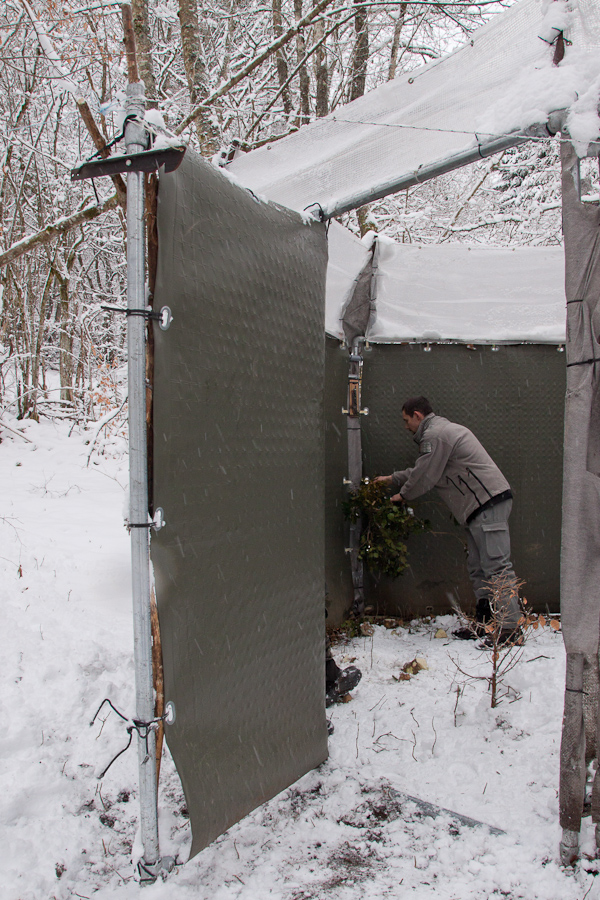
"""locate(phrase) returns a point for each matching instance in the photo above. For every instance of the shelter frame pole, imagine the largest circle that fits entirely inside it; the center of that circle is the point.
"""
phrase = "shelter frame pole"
(136, 140)
(353, 413)
(482, 150)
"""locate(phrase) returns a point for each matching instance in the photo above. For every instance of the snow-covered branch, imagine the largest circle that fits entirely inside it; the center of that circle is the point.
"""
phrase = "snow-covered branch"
(55, 229)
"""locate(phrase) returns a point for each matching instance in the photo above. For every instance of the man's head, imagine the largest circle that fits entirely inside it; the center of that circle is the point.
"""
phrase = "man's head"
(414, 411)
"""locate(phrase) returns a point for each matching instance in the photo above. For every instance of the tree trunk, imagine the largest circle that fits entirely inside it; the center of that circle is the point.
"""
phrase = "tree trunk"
(196, 74)
(304, 117)
(19, 326)
(143, 44)
(37, 354)
(396, 41)
(360, 56)
(321, 73)
(364, 222)
(65, 345)
(280, 58)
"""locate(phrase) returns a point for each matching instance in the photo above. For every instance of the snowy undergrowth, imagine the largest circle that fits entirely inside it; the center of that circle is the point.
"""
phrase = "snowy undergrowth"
(344, 831)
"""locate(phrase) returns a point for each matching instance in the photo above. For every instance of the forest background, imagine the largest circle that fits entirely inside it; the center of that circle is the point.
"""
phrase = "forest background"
(227, 70)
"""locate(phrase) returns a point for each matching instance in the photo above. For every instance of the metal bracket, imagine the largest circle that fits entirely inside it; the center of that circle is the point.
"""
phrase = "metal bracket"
(145, 161)
(170, 714)
(149, 872)
(158, 521)
(164, 317)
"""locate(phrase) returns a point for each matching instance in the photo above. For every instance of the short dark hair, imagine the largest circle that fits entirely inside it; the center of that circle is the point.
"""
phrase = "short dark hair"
(417, 404)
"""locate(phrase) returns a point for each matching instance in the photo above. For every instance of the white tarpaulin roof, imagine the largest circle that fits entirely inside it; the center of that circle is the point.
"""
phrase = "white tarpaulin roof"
(501, 81)
(451, 292)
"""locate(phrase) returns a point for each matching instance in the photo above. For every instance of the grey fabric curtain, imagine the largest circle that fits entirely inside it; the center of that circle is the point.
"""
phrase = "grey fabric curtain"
(239, 472)
(580, 557)
(360, 307)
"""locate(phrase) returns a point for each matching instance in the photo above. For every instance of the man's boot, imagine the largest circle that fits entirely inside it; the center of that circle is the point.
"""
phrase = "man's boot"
(345, 682)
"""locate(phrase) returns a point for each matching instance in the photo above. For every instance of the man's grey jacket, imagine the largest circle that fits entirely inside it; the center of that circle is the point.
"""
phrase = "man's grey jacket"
(452, 460)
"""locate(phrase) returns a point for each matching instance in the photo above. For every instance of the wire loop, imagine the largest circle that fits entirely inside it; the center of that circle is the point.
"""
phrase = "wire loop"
(143, 729)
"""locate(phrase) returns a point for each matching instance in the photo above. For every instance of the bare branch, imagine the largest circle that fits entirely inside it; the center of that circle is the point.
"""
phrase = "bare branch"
(55, 229)
(254, 63)
(100, 144)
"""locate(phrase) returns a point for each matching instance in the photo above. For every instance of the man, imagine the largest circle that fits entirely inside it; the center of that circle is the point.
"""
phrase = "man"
(452, 460)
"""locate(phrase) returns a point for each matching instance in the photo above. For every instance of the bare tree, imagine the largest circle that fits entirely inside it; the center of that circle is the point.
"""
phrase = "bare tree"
(234, 69)
(304, 117)
(360, 56)
(280, 58)
(143, 40)
(321, 72)
(396, 41)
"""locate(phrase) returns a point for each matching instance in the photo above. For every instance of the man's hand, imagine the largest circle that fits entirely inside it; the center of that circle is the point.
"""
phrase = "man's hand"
(397, 498)
(383, 479)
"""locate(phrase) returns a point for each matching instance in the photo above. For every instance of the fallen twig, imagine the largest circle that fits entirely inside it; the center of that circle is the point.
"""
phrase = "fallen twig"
(14, 431)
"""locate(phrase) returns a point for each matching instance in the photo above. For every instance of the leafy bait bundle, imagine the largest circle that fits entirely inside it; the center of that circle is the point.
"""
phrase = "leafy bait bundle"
(386, 526)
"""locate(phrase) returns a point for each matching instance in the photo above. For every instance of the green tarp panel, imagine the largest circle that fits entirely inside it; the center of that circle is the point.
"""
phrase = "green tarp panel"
(239, 473)
(512, 399)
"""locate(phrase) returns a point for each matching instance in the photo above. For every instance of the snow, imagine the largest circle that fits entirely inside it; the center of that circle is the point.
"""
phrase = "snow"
(343, 831)
(156, 118)
(502, 80)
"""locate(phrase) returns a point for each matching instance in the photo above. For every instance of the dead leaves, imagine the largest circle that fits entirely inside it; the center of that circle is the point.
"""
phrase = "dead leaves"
(413, 667)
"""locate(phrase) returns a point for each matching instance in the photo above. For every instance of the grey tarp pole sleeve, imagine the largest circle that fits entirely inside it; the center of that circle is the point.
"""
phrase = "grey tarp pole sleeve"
(239, 472)
(580, 556)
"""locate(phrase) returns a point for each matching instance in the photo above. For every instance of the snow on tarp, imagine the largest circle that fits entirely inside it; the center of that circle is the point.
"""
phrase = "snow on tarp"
(450, 292)
(502, 80)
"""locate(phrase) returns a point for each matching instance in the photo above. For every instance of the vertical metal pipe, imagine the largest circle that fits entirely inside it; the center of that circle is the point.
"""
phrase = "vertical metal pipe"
(355, 469)
(135, 139)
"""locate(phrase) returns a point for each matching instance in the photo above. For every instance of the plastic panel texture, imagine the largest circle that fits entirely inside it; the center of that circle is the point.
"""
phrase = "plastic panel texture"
(238, 471)
(513, 401)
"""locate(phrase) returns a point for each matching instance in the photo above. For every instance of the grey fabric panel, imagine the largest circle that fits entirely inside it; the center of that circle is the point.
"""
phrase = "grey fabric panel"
(580, 563)
(238, 470)
(513, 401)
(580, 557)
(572, 748)
(356, 315)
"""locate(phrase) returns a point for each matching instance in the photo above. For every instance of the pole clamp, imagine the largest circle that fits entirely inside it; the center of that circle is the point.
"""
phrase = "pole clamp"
(157, 522)
(149, 872)
(164, 317)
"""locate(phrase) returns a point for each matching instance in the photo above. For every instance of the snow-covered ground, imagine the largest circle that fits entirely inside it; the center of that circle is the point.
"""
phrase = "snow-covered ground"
(344, 831)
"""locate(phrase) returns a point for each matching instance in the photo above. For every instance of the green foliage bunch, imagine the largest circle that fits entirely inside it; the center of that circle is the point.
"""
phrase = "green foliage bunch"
(386, 526)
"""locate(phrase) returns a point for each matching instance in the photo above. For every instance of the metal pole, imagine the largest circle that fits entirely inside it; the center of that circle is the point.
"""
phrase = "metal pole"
(425, 173)
(354, 413)
(136, 141)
